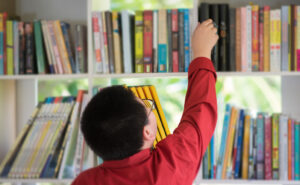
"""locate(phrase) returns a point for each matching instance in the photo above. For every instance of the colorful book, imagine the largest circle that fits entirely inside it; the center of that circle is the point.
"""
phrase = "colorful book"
(251, 149)
(261, 39)
(117, 43)
(266, 38)
(249, 37)
(175, 40)
(186, 40)
(232, 32)
(289, 149)
(97, 42)
(103, 28)
(4, 43)
(30, 66)
(65, 27)
(239, 144)
(293, 150)
(181, 40)
(246, 147)
(260, 139)
(148, 36)
(298, 40)
(244, 64)
(268, 148)
(163, 41)
(275, 40)
(139, 30)
(285, 30)
(16, 46)
(275, 146)
(255, 37)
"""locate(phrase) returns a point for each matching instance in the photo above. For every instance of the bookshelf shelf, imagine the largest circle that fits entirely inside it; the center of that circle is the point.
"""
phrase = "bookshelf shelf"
(285, 182)
(54, 181)
(43, 77)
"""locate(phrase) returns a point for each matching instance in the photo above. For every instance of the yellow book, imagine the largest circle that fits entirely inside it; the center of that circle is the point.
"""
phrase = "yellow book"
(229, 141)
(117, 43)
(159, 108)
(160, 130)
(246, 147)
(62, 47)
(9, 47)
(139, 32)
(267, 39)
(275, 145)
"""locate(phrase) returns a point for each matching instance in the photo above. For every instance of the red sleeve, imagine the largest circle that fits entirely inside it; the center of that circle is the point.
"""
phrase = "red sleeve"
(185, 148)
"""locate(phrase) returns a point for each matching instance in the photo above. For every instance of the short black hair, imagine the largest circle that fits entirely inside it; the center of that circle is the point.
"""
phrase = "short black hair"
(113, 122)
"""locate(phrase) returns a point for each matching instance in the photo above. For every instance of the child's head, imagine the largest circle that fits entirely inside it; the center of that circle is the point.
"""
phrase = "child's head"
(116, 124)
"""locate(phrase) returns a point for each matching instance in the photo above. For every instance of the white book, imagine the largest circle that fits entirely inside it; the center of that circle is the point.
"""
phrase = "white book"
(104, 58)
(126, 17)
(283, 147)
(249, 37)
(97, 41)
(275, 40)
(155, 40)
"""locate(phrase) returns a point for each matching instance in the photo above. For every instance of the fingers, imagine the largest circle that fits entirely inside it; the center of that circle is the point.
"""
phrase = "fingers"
(206, 22)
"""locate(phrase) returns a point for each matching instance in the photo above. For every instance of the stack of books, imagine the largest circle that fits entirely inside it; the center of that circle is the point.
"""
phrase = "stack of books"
(51, 144)
(265, 147)
(254, 38)
(142, 41)
(41, 47)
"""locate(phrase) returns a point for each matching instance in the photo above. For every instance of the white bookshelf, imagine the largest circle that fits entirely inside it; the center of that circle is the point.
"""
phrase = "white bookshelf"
(18, 93)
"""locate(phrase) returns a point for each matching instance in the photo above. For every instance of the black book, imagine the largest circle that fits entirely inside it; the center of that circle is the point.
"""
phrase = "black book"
(214, 15)
(232, 66)
(21, 48)
(224, 38)
(203, 12)
(110, 41)
(181, 40)
(169, 30)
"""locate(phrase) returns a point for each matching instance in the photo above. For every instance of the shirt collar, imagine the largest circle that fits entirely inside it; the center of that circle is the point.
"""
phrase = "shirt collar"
(129, 161)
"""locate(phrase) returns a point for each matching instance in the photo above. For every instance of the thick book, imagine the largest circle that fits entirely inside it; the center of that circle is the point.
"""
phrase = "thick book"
(148, 41)
(117, 33)
(260, 146)
(10, 47)
(162, 41)
(283, 147)
(30, 66)
(255, 37)
(246, 147)
(275, 146)
(175, 41)
(21, 48)
(268, 147)
(232, 29)
(127, 18)
(39, 51)
(181, 40)
(139, 30)
(186, 40)
(238, 40)
(97, 42)
(169, 34)
(275, 40)
(266, 38)
(224, 38)
(285, 31)
(80, 48)
(261, 39)
(65, 28)
(239, 138)
(110, 41)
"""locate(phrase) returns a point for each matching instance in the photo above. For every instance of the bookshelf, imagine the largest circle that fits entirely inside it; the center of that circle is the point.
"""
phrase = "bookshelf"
(18, 93)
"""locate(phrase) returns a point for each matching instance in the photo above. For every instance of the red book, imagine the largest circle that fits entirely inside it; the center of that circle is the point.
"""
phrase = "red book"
(261, 39)
(255, 33)
(148, 43)
(4, 44)
(175, 40)
(268, 148)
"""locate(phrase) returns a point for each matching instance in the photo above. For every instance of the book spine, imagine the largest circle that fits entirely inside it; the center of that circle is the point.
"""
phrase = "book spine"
(224, 37)
(255, 150)
(268, 148)
(21, 48)
(266, 38)
(10, 47)
(127, 41)
(260, 146)
(297, 148)
(97, 49)
(186, 40)
(117, 43)
(293, 150)
(181, 40)
(246, 147)
(240, 135)
(110, 41)
(238, 40)
(29, 49)
(65, 30)
(139, 60)
(232, 22)
(155, 41)
(249, 37)
(212, 143)
(16, 47)
(298, 39)
(230, 173)
(175, 39)
(104, 56)
(261, 39)
(295, 39)
(205, 165)
(289, 38)
(1, 45)
(148, 36)
(244, 65)
(105, 42)
(223, 138)
(289, 149)
(162, 41)
(284, 38)
(255, 38)
(275, 39)
(169, 35)
(283, 147)
(4, 43)
(275, 146)
(80, 48)
(213, 12)
(40, 57)
(251, 147)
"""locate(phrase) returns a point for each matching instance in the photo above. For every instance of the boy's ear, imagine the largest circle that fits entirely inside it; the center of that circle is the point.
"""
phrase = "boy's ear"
(148, 133)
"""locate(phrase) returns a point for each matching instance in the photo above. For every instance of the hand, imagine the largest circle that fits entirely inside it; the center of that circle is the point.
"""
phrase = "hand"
(204, 39)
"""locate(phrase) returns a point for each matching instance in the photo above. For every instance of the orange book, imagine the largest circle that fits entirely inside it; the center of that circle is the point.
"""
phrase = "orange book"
(246, 147)
(266, 38)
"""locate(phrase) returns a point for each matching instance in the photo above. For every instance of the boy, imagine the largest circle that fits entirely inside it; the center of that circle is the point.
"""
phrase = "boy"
(121, 130)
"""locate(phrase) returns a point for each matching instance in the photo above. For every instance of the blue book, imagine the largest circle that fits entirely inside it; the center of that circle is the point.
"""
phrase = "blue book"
(285, 29)
(239, 144)
(223, 143)
(162, 41)
(65, 27)
(186, 40)
(260, 139)
(212, 157)
(297, 147)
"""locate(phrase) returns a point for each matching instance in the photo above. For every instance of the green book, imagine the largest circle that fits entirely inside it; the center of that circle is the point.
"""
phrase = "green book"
(10, 47)
(39, 48)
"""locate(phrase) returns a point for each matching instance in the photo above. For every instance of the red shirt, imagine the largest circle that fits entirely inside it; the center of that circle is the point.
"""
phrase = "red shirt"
(177, 158)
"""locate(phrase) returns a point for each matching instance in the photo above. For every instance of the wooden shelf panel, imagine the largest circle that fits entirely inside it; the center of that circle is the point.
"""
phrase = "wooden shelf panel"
(43, 77)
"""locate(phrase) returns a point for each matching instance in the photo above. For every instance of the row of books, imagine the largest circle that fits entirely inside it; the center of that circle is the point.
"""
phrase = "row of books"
(266, 147)
(254, 38)
(51, 144)
(41, 47)
(142, 41)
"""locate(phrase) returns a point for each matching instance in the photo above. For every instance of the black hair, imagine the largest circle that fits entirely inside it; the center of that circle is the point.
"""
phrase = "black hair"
(113, 122)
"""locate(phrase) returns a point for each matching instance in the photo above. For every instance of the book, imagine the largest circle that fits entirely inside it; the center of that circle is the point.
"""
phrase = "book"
(30, 66)
(65, 28)
(186, 40)
(40, 56)
(110, 42)
(297, 143)
(275, 40)
(289, 149)
(255, 37)
(175, 41)
(4, 43)
(268, 147)
(139, 60)
(99, 67)
(148, 37)
(21, 47)
(1, 44)
(294, 37)
(251, 150)
(10, 47)
(117, 42)
(232, 32)
(285, 30)
(16, 47)
(80, 48)
(181, 40)
(260, 146)
(238, 40)
(169, 35)
(243, 20)
(246, 147)
(266, 38)
(249, 37)
(162, 41)
(293, 149)
(128, 46)
(275, 146)
(155, 41)
(104, 51)
(298, 40)
(261, 39)
(224, 37)
(283, 149)
(239, 138)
